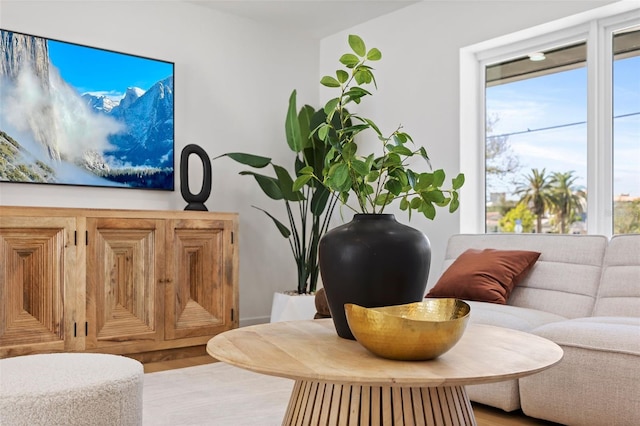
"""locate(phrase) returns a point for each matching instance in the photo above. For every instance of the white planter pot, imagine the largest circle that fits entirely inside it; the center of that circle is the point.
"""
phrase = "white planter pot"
(290, 307)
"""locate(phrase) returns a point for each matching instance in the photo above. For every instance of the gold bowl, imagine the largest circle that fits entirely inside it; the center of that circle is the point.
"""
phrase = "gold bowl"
(412, 332)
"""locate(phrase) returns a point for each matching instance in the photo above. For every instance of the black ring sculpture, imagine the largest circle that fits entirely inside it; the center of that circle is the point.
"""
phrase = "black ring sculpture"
(196, 201)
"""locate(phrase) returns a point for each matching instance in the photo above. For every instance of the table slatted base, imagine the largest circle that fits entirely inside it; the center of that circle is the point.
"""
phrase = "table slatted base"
(317, 403)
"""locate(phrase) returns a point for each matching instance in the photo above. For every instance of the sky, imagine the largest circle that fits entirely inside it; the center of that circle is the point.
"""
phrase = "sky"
(99, 71)
(557, 102)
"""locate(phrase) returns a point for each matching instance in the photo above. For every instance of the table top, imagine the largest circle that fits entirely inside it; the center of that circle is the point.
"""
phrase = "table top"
(311, 350)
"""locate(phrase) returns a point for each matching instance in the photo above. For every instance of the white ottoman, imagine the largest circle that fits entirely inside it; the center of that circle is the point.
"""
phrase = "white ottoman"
(70, 389)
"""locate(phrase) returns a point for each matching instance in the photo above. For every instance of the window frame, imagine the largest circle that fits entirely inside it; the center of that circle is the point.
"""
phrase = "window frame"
(596, 27)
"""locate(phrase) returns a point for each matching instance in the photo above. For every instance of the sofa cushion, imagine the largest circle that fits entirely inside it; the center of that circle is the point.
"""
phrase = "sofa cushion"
(619, 293)
(515, 317)
(504, 395)
(484, 275)
(596, 383)
(609, 334)
(563, 281)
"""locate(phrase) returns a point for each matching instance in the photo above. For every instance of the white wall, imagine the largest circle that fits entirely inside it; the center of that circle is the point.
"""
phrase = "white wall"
(232, 83)
(418, 77)
(233, 78)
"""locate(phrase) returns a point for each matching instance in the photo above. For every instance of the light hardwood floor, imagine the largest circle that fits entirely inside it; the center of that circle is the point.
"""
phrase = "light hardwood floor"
(485, 416)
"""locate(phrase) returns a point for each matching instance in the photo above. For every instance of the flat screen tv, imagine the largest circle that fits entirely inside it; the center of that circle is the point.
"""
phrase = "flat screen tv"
(78, 115)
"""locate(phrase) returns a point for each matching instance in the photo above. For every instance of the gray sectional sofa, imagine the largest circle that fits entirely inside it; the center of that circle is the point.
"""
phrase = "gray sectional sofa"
(584, 294)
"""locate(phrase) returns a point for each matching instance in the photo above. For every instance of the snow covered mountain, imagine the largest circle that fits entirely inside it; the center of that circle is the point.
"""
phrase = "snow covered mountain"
(148, 118)
(100, 103)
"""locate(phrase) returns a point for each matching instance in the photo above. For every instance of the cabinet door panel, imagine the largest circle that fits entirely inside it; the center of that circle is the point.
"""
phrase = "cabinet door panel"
(197, 302)
(123, 262)
(32, 282)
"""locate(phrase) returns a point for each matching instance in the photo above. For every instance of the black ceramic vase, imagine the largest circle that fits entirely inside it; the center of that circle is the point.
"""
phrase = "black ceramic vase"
(372, 261)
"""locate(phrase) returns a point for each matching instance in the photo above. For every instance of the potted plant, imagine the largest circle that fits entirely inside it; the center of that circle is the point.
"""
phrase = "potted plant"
(308, 208)
(372, 260)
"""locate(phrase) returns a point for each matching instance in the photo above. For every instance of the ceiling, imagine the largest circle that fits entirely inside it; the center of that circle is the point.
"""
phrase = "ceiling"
(314, 18)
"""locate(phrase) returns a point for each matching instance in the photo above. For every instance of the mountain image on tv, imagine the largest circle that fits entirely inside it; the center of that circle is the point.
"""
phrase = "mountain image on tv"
(71, 114)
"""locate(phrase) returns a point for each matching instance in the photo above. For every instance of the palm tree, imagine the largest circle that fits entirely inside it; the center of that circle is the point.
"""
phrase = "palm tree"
(568, 200)
(536, 193)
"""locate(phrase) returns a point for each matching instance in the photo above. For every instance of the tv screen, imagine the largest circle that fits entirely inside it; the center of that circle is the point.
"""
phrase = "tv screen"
(78, 115)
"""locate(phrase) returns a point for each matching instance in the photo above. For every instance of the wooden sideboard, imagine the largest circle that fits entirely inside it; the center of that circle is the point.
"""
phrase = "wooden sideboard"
(126, 282)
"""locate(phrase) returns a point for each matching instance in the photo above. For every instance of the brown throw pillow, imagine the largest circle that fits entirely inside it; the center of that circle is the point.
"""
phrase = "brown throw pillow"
(484, 275)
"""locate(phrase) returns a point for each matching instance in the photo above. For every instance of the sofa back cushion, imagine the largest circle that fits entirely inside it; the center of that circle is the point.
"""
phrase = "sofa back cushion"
(619, 293)
(563, 281)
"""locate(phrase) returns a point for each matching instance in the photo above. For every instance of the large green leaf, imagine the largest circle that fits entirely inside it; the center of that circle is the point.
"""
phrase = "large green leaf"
(411, 177)
(458, 181)
(357, 92)
(292, 125)
(301, 181)
(323, 131)
(401, 176)
(319, 200)
(416, 202)
(357, 44)
(392, 160)
(374, 54)
(360, 167)
(404, 204)
(394, 186)
(342, 76)
(453, 206)
(349, 60)
(438, 178)
(269, 185)
(331, 105)
(429, 210)
(329, 81)
(434, 196)
(285, 182)
(281, 227)
(424, 181)
(248, 159)
(402, 150)
(349, 151)
(304, 120)
(362, 76)
(340, 174)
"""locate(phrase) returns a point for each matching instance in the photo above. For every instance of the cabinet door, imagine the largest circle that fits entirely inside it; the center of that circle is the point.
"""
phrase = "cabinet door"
(200, 292)
(38, 259)
(124, 264)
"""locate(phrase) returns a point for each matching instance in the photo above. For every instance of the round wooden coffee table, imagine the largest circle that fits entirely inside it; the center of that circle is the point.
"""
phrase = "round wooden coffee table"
(339, 382)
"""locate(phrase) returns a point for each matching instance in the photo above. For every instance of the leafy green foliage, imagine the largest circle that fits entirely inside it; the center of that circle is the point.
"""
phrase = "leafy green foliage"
(375, 181)
(523, 213)
(307, 203)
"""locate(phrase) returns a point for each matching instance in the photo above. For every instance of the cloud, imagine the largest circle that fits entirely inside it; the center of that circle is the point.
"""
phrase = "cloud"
(54, 115)
(78, 128)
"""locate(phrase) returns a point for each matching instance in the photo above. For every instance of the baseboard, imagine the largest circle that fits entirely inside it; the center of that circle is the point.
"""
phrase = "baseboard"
(244, 322)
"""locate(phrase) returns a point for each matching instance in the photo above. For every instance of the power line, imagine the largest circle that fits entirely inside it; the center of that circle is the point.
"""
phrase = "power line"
(577, 123)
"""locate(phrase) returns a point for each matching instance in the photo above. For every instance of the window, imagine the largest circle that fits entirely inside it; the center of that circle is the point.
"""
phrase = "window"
(626, 131)
(550, 132)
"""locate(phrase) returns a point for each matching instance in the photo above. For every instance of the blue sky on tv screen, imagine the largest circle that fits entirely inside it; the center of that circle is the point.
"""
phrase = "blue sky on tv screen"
(97, 71)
